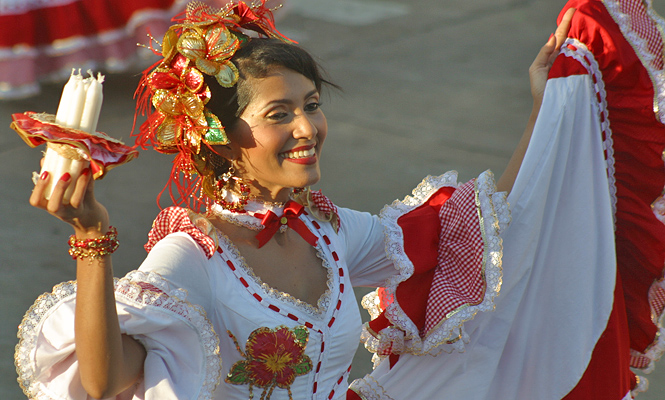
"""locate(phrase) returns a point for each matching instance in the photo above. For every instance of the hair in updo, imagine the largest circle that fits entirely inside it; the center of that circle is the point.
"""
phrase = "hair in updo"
(256, 59)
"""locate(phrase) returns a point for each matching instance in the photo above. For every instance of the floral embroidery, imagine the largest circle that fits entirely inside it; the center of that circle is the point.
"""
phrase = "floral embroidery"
(273, 358)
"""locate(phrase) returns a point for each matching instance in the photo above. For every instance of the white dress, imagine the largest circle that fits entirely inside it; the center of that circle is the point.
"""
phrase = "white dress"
(213, 330)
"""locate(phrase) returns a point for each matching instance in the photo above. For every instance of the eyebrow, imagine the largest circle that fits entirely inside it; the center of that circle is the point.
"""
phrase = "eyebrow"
(289, 101)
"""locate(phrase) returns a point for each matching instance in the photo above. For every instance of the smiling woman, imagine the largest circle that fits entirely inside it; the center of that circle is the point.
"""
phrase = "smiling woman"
(247, 286)
(277, 142)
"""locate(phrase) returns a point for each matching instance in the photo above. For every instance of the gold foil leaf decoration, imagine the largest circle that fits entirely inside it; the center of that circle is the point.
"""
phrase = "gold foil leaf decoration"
(192, 45)
(221, 43)
(158, 98)
(207, 67)
(196, 11)
(169, 44)
(200, 122)
(227, 75)
(193, 138)
(166, 102)
(206, 95)
(193, 106)
(168, 133)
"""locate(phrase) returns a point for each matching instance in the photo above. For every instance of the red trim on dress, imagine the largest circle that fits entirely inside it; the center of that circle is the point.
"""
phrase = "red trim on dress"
(336, 270)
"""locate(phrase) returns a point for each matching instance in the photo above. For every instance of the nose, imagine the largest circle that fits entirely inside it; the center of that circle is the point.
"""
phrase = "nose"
(304, 127)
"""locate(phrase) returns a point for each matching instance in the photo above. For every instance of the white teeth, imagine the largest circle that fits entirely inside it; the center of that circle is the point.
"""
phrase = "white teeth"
(299, 154)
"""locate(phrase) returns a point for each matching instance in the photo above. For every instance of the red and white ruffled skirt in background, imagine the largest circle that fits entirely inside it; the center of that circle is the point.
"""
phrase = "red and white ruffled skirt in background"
(42, 40)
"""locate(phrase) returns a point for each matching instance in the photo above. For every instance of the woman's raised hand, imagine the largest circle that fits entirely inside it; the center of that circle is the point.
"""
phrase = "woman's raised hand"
(538, 73)
(540, 67)
(83, 211)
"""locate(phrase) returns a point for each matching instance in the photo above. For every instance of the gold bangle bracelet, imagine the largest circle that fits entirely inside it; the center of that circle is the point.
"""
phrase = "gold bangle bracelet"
(94, 248)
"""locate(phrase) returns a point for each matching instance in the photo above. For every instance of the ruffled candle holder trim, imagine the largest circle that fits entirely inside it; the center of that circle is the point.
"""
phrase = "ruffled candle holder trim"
(103, 151)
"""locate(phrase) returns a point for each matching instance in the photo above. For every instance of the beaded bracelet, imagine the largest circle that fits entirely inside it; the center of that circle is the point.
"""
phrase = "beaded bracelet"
(94, 248)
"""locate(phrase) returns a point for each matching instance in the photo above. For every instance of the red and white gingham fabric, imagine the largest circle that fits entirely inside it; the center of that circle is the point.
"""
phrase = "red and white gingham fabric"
(324, 204)
(458, 279)
(645, 28)
(177, 219)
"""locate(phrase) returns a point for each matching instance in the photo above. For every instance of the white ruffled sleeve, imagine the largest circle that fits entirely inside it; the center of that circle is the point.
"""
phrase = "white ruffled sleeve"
(182, 348)
(444, 240)
(365, 249)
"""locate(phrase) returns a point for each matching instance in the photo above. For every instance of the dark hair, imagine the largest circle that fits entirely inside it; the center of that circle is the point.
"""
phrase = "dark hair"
(255, 59)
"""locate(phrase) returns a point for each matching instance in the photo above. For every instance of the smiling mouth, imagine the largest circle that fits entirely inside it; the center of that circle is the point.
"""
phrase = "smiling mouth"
(296, 155)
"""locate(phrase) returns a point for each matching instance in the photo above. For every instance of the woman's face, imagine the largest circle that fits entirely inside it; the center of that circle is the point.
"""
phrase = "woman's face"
(277, 141)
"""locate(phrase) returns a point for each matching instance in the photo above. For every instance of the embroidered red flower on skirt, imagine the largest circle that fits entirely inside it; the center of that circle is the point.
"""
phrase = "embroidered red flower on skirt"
(273, 358)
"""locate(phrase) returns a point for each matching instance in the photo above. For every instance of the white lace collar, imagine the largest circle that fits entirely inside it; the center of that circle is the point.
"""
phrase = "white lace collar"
(252, 215)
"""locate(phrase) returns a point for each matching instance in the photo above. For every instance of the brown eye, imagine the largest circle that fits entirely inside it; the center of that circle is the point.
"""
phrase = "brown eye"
(278, 116)
(311, 107)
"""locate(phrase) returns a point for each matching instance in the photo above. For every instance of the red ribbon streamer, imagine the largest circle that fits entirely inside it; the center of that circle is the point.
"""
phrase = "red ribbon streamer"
(291, 218)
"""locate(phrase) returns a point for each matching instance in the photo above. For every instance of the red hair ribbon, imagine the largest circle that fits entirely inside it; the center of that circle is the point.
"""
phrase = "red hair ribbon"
(291, 218)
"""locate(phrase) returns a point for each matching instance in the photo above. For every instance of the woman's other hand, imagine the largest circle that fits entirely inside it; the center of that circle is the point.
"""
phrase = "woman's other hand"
(540, 67)
(83, 212)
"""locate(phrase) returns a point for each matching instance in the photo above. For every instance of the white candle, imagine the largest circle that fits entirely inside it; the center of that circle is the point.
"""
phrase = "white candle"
(93, 103)
(51, 164)
(74, 168)
(61, 166)
(56, 165)
(65, 100)
(79, 108)
(76, 103)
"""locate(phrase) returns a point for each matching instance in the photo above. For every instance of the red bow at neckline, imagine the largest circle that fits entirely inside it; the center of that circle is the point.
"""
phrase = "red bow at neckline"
(291, 217)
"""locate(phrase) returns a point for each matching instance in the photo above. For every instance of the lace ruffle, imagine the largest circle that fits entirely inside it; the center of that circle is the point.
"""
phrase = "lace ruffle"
(641, 48)
(641, 387)
(322, 304)
(28, 332)
(449, 335)
(138, 289)
(586, 58)
(369, 389)
(393, 233)
(646, 361)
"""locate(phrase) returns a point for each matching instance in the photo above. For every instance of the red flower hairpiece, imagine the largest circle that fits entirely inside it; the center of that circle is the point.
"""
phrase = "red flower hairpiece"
(173, 93)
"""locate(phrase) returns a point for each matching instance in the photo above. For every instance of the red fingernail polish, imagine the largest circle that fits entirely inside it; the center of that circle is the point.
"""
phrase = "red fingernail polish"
(85, 172)
(65, 177)
(44, 175)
